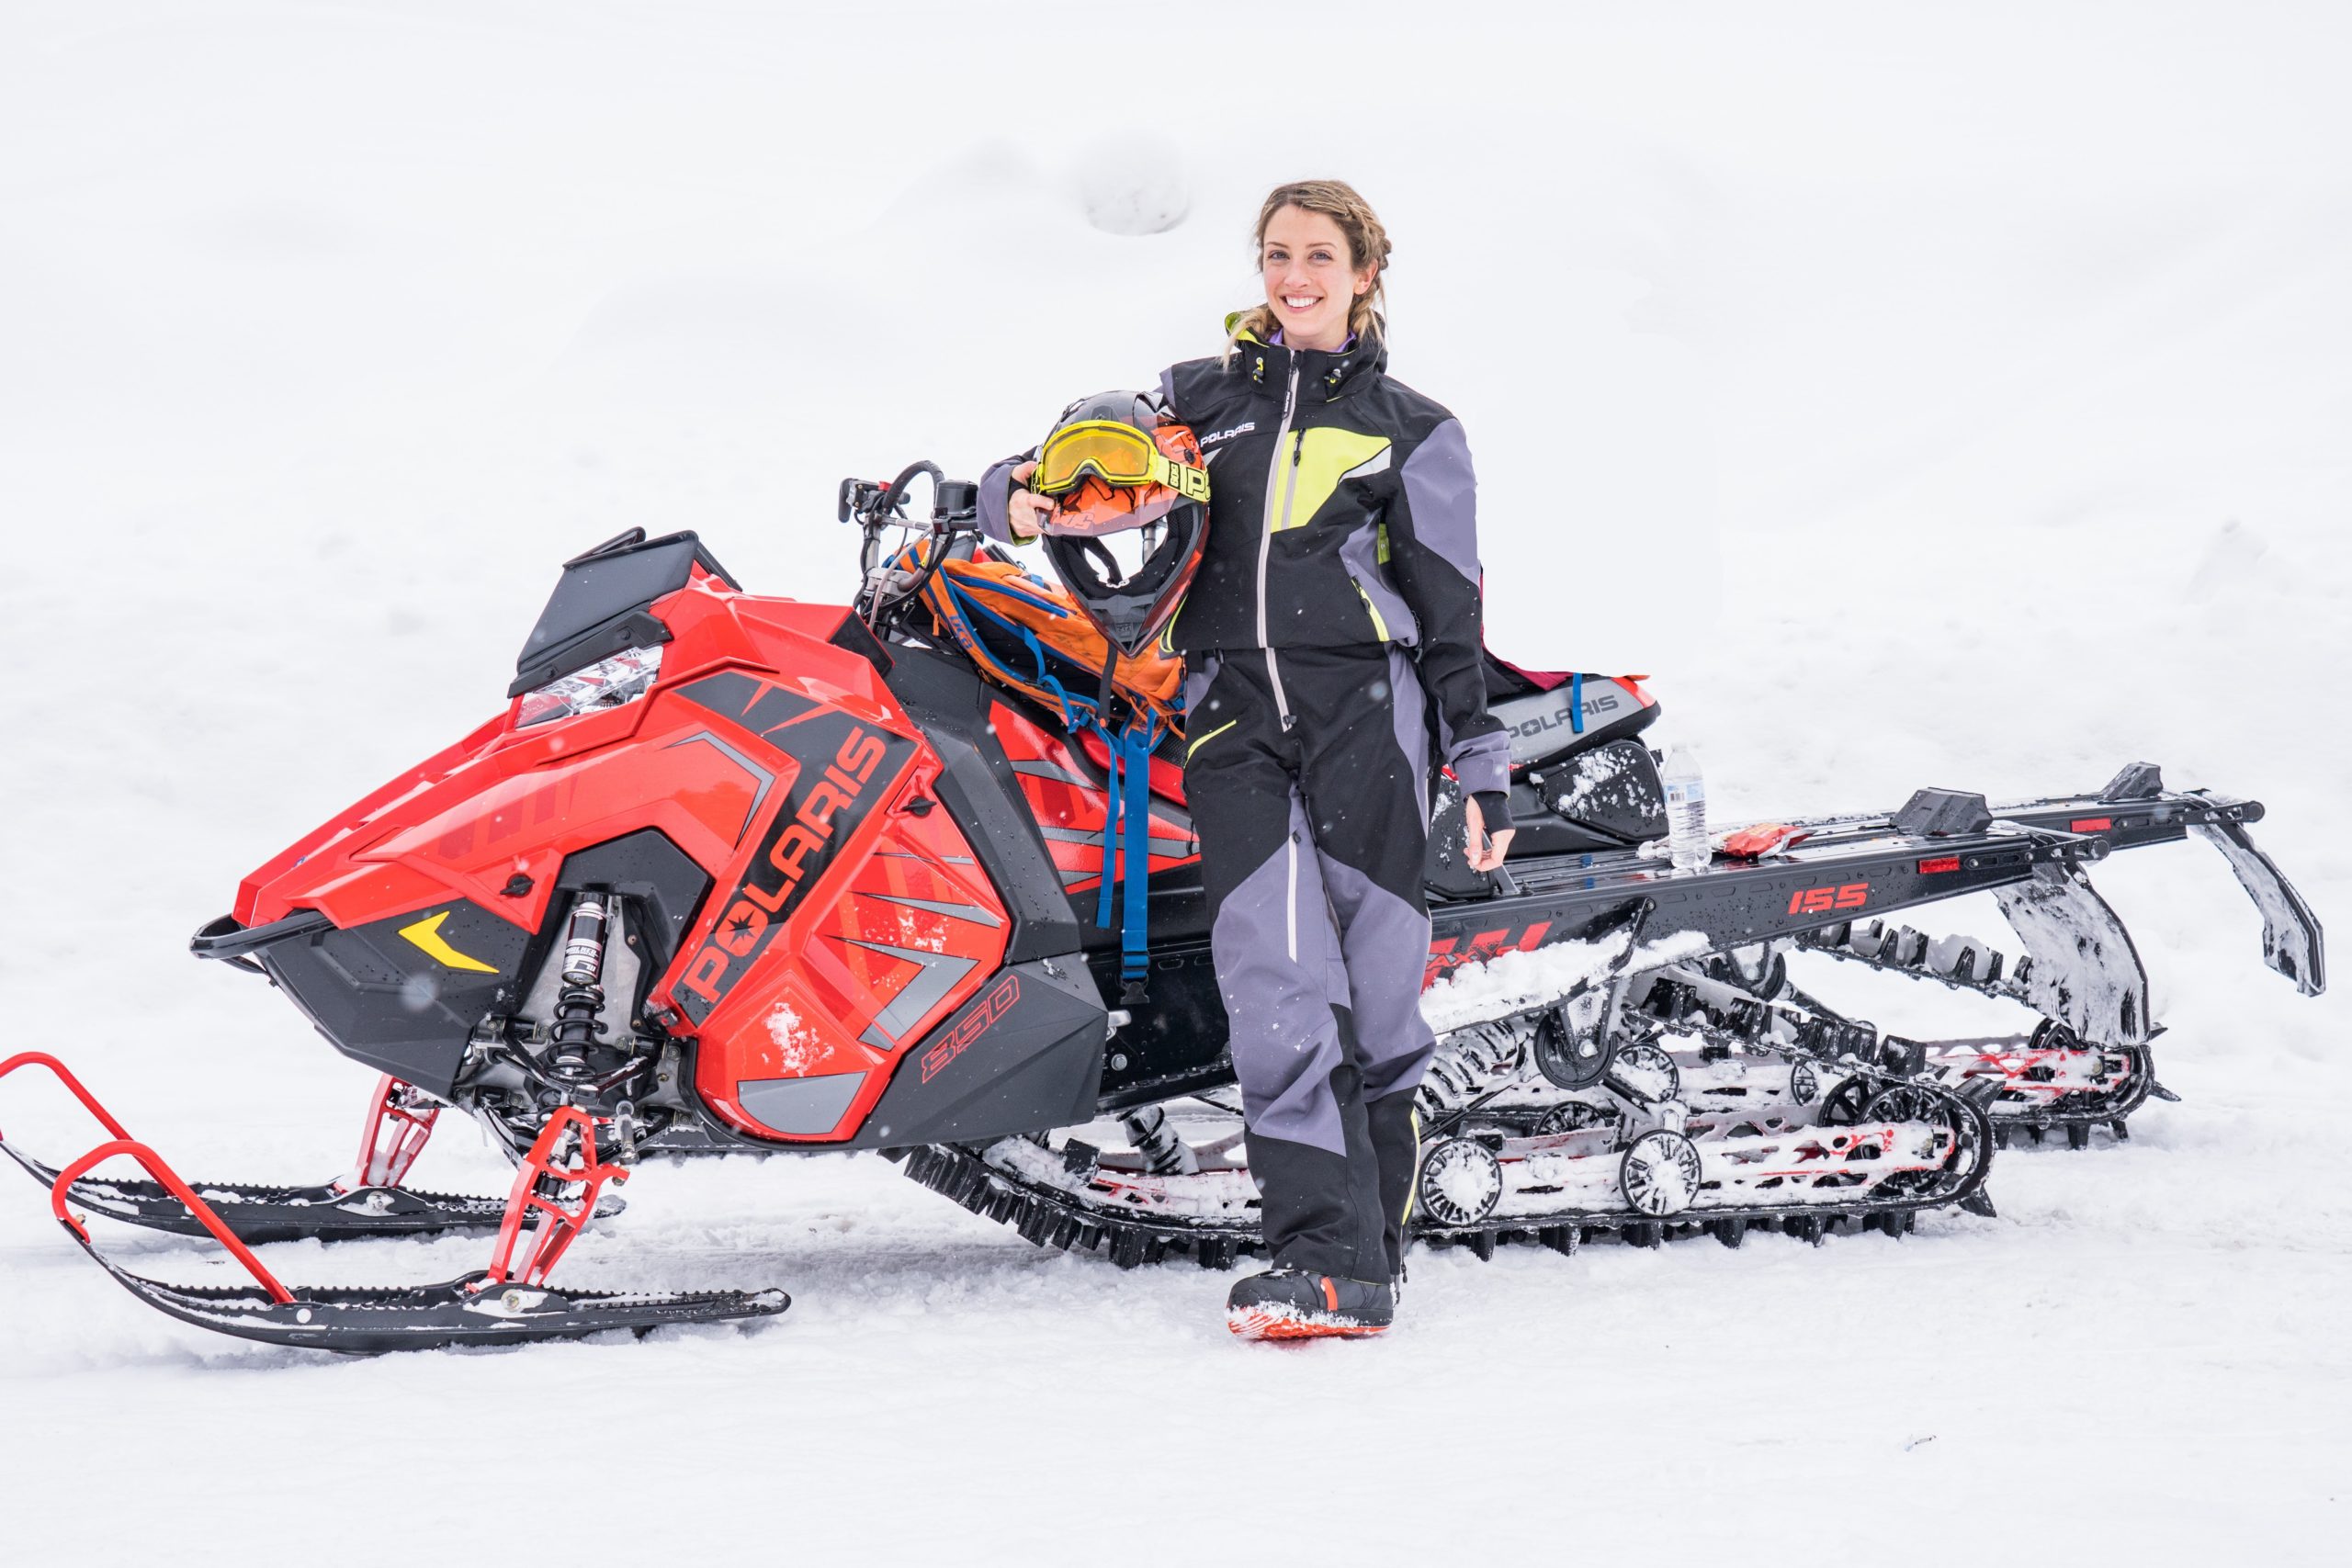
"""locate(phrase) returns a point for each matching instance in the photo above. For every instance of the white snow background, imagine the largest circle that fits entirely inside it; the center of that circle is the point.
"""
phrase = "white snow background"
(1921, 394)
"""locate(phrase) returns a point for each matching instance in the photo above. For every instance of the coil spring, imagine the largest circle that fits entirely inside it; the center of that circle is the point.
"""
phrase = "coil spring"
(579, 1026)
(1164, 1154)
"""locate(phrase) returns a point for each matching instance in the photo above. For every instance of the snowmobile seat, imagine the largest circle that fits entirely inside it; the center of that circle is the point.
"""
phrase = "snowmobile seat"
(1552, 715)
(1581, 781)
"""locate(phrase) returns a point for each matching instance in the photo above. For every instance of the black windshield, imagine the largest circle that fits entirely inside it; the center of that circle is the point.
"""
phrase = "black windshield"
(599, 606)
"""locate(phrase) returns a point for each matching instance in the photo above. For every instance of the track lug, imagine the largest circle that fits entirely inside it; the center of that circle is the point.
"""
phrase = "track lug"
(2122, 1130)
(1647, 1233)
(1562, 1239)
(1731, 1233)
(2078, 1135)
(2002, 1133)
(2037, 1134)
(1979, 1203)
(1483, 1244)
(2160, 1092)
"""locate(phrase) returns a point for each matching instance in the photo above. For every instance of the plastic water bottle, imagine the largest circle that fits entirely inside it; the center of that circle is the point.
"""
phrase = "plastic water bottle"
(1686, 809)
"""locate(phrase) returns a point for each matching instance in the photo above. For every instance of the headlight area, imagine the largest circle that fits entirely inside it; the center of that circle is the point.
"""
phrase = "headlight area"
(607, 684)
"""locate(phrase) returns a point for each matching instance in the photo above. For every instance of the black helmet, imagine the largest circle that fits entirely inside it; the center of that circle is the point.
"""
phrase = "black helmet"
(1115, 462)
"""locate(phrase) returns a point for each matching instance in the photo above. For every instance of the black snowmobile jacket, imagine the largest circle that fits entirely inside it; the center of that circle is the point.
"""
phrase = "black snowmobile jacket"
(1343, 513)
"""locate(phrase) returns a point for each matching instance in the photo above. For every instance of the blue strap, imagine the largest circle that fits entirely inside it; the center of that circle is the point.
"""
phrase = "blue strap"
(1135, 949)
(1077, 712)
(1575, 704)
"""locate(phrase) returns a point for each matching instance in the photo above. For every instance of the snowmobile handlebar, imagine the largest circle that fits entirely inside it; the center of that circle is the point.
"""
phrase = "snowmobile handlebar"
(874, 506)
(871, 505)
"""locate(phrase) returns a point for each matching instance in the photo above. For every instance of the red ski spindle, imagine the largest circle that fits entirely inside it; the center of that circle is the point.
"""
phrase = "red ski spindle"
(384, 1161)
(558, 1224)
(58, 1070)
(62, 1193)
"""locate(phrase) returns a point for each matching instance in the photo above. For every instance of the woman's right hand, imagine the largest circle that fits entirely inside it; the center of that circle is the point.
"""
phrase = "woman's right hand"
(1025, 510)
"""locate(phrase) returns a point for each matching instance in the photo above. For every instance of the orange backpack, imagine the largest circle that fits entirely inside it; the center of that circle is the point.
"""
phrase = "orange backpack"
(1026, 634)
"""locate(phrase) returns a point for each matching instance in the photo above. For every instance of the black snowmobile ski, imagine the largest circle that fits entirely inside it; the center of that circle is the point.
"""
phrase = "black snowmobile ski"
(556, 1194)
(489, 1308)
(346, 1210)
(430, 1317)
(262, 1214)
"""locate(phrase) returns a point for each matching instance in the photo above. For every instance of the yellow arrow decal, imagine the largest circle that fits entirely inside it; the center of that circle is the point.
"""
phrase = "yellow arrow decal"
(426, 934)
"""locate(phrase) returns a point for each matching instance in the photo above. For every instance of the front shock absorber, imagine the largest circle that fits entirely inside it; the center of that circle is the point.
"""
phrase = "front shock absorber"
(580, 1003)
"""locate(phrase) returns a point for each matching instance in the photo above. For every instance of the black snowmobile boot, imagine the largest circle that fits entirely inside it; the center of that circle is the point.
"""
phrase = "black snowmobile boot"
(1292, 1304)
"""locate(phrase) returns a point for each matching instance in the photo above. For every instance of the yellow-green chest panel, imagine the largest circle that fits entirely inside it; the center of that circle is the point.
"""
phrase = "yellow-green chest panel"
(1323, 459)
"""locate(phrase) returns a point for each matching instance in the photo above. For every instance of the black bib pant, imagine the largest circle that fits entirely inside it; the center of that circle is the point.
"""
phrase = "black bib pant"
(1307, 775)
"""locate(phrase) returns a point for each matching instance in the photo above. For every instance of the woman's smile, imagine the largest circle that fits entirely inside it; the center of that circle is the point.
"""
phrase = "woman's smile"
(1310, 286)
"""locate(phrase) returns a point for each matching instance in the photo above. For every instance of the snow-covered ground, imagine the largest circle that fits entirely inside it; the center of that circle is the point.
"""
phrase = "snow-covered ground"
(1950, 395)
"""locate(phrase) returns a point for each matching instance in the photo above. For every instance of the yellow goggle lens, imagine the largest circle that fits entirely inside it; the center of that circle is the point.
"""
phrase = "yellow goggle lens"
(1118, 453)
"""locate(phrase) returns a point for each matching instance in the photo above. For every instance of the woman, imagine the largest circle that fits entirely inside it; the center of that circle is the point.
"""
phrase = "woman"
(1332, 629)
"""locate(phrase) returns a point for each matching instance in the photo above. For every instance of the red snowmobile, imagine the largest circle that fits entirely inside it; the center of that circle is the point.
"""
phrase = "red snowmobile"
(733, 873)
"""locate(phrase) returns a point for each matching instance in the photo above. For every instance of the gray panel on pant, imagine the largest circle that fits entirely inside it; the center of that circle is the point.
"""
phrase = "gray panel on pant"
(1279, 967)
(1386, 943)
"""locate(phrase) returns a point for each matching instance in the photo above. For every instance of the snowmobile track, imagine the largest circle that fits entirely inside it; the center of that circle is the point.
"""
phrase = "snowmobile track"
(1046, 1221)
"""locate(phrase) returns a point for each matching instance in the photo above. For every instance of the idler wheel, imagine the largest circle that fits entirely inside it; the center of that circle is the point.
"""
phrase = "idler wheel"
(1904, 1102)
(1847, 1104)
(1645, 1074)
(1573, 1116)
(1460, 1182)
(1659, 1175)
(1567, 1056)
(1805, 1084)
(2052, 1035)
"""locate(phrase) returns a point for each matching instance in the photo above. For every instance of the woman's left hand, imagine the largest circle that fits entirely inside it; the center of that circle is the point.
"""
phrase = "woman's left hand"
(1486, 852)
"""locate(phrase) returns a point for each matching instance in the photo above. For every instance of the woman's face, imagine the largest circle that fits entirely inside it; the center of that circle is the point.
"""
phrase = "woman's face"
(1309, 285)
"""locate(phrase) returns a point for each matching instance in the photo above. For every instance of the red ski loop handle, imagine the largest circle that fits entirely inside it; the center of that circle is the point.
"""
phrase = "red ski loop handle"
(62, 1193)
(562, 1225)
(59, 1071)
